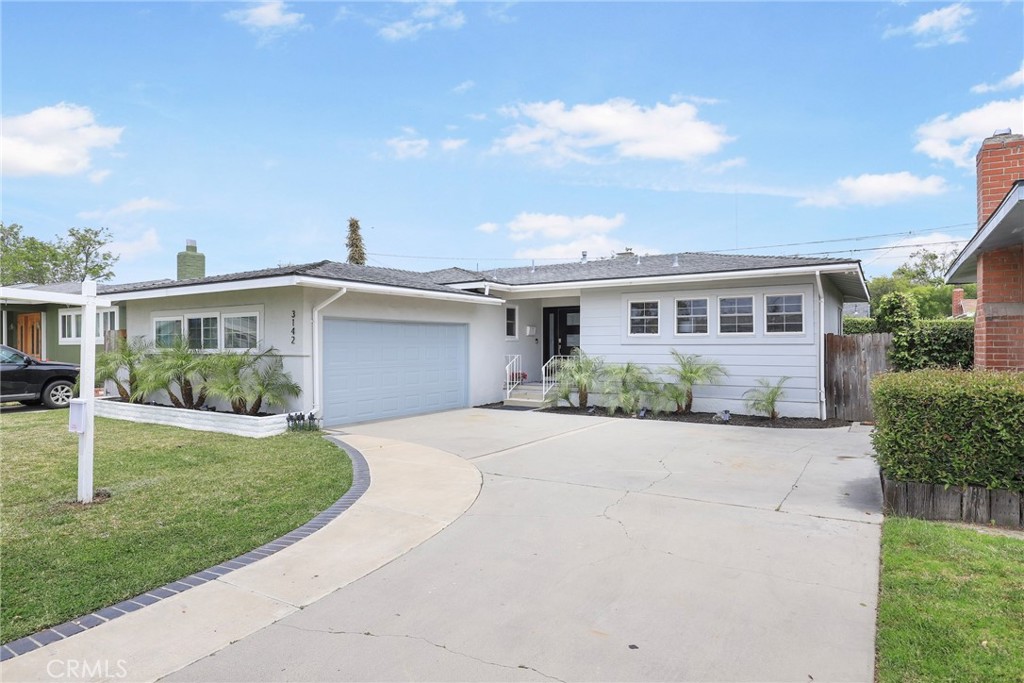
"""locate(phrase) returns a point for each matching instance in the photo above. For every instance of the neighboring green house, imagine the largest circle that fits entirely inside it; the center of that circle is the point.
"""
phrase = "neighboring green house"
(52, 331)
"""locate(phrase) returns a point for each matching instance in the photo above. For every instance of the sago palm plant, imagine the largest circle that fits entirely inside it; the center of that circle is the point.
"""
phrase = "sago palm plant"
(690, 370)
(627, 386)
(764, 397)
(176, 368)
(580, 373)
(121, 366)
(252, 379)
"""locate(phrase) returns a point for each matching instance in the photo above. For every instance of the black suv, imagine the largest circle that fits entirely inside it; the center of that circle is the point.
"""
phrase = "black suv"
(31, 381)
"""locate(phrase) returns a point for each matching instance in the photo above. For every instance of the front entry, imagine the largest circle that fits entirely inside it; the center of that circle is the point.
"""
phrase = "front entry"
(30, 334)
(561, 331)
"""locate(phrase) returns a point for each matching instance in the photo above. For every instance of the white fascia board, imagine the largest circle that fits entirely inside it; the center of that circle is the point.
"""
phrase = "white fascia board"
(483, 284)
(692, 277)
(970, 250)
(300, 281)
(41, 296)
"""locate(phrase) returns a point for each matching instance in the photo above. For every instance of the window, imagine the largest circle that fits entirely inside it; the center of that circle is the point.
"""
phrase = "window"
(643, 317)
(512, 322)
(71, 324)
(241, 331)
(784, 313)
(166, 332)
(736, 315)
(202, 332)
(691, 316)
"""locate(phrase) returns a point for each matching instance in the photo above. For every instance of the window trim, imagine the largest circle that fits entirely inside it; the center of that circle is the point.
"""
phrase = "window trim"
(220, 315)
(202, 316)
(707, 314)
(180, 319)
(515, 323)
(238, 314)
(803, 315)
(629, 318)
(753, 315)
(73, 312)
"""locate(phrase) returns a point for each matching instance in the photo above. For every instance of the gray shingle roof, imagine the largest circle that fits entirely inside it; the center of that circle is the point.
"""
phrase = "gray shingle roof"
(687, 263)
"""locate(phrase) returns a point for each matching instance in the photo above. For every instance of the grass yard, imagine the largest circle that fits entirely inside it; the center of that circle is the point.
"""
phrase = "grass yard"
(180, 501)
(951, 606)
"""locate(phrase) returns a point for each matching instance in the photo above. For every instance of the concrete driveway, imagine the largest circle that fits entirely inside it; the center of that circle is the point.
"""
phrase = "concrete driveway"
(608, 549)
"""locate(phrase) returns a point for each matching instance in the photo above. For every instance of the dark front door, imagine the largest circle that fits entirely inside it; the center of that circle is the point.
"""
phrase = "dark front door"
(561, 331)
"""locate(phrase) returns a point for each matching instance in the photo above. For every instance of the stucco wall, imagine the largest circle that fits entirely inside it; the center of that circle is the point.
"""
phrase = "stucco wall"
(746, 357)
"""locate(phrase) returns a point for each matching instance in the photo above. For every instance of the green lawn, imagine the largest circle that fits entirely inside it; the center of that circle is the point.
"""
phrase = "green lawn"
(951, 606)
(180, 501)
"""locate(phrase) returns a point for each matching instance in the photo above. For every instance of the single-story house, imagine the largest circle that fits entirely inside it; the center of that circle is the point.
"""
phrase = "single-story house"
(368, 343)
(994, 257)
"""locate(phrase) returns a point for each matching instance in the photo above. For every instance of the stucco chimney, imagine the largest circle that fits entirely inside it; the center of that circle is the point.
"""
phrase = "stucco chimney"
(191, 264)
(1000, 164)
(958, 302)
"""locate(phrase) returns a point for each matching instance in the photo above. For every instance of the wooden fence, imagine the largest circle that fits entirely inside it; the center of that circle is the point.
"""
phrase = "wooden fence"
(850, 363)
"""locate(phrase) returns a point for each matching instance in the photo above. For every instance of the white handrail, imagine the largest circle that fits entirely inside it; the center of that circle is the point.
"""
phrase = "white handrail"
(549, 373)
(513, 373)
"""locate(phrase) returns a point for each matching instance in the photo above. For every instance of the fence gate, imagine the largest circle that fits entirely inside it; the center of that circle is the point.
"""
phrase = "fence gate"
(850, 363)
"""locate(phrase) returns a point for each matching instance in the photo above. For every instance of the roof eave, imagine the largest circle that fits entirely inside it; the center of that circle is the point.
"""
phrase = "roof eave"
(964, 268)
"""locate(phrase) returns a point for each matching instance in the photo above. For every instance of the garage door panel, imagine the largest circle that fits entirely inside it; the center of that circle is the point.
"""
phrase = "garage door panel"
(374, 370)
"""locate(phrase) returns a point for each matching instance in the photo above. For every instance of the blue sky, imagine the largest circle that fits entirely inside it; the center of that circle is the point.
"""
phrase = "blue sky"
(487, 134)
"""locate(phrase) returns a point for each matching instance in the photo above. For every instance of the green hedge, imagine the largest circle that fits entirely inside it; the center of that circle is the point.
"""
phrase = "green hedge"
(934, 344)
(853, 325)
(951, 427)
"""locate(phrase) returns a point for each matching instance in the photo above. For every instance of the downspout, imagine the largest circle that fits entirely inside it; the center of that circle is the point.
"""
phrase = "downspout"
(822, 409)
(318, 361)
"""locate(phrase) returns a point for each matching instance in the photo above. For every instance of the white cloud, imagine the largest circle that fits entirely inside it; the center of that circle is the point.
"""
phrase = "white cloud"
(672, 132)
(723, 166)
(477, 117)
(956, 138)
(877, 189)
(129, 250)
(268, 20)
(57, 140)
(488, 228)
(596, 246)
(944, 26)
(1011, 82)
(407, 146)
(556, 226)
(99, 176)
(463, 87)
(426, 16)
(129, 208)
(452, 144)
(695, 99)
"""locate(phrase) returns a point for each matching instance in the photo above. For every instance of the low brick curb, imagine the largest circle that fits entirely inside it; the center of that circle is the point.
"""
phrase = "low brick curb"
(360, 483)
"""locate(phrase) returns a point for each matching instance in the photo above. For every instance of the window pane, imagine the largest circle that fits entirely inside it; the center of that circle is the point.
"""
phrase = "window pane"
(692, 316)
(643, 317)
(166, 333)
(510, 322)
(202, 332)
(736, 315)
(240, 332)
(784, 313)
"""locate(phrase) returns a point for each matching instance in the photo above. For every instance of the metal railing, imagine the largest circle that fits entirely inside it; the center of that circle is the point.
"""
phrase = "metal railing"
(513, 373)
(549, 373)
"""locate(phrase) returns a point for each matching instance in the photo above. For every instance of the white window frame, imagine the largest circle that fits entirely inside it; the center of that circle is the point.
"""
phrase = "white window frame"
(753, 315)
(629, 317)
(239, 314)
(803, 315)
(180, 319)
(707, 314)
(203, 316)
(515, 323)
(76, 313)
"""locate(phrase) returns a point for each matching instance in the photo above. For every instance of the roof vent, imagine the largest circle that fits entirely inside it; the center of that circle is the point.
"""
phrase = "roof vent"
(584, 259)
(628, 251)
(675, 261)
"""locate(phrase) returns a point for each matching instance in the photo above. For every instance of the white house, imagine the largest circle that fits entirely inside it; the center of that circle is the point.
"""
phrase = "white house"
(369, 343)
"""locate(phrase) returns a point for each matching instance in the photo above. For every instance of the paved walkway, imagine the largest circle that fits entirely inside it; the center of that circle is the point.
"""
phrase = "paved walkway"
(598, 549)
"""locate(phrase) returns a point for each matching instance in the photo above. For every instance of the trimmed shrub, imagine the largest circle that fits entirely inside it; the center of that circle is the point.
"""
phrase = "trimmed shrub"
(951, 427)
(897, 311)
(934, 344)
(853, 325)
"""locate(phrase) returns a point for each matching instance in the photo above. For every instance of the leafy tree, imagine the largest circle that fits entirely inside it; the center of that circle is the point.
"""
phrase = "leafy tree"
(765, 396)
(66, 259)
(926, 267)
(356, 248)
(580, 373)
(688, 371)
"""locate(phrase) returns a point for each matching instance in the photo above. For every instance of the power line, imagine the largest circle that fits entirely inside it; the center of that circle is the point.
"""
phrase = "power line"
(887, 248)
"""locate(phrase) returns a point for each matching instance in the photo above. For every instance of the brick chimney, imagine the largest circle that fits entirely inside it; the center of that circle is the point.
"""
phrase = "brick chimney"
(999, 319)
(191, 264)
(958, 302)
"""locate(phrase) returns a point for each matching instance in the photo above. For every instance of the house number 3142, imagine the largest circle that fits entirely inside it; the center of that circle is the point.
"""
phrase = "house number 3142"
(293, 326)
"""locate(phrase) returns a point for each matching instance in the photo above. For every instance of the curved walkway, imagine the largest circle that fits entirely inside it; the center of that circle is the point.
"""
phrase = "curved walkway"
(395, 514)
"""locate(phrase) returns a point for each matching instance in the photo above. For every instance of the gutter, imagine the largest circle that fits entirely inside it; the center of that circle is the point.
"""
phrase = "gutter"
(318, 361)
(822, 408)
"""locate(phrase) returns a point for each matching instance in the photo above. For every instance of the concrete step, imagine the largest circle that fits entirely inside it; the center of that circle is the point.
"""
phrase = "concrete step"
(524, 402)
(519, 392)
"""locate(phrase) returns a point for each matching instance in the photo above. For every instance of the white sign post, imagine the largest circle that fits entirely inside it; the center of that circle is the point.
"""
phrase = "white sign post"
(87, 392)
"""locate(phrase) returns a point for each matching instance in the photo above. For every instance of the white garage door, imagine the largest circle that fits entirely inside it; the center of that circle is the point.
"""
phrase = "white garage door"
(374, 370)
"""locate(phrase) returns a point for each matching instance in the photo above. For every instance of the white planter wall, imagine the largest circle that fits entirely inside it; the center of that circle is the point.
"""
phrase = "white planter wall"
(199, 420)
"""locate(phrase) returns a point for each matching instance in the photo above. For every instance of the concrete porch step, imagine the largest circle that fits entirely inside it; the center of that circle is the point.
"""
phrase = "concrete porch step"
(524, 402)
